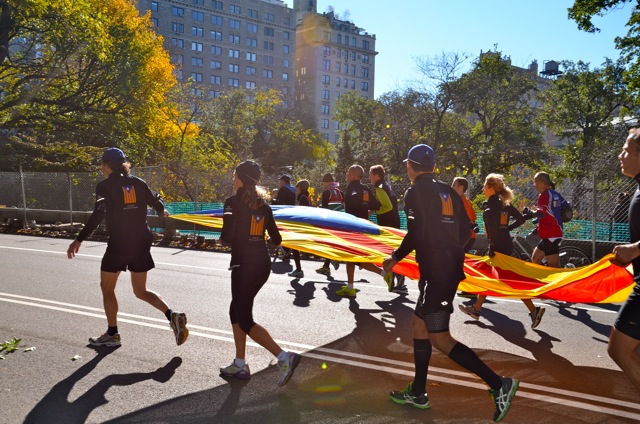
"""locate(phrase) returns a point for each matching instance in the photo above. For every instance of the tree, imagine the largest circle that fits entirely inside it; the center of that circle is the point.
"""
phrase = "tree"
(583, 11)
(86, 72)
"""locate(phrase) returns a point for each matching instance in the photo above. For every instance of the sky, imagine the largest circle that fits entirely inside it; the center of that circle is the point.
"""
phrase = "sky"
(410, 30)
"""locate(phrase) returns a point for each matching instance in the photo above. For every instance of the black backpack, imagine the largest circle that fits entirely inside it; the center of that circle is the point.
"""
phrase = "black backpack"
(566, 211)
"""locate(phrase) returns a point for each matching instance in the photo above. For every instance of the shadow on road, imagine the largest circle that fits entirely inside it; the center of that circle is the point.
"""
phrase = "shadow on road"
(56, 408)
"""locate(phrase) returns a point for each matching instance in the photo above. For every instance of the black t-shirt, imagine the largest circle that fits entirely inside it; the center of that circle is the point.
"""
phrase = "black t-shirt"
(436, 222)
(634, 228)
(244, 228)
(285, 196)
(391, 218)
(498, 224)
(122, 200)
(359, 200)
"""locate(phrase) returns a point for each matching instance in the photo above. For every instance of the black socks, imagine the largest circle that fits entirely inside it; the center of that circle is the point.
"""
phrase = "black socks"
(112, 331)
(168, 314)
(467, 358)
(421, 357)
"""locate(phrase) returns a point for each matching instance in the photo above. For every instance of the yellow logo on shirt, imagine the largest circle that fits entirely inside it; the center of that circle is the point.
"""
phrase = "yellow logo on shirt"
(447, 204)
(257, 225)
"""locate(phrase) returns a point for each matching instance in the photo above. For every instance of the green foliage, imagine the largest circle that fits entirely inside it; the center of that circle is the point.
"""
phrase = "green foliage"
(9, 346)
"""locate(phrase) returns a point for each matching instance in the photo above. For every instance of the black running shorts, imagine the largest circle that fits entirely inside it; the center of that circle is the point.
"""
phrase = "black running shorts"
(115, 260)
(628, 321)
(550, 247)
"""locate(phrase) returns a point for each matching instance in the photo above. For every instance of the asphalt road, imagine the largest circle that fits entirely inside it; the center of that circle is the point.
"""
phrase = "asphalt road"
(354, 350)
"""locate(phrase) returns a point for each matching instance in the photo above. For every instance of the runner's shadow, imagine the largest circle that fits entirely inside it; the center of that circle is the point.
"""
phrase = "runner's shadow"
(281, 267)
(583, 316)
(303, 293)
(232, 401)
(56, 408)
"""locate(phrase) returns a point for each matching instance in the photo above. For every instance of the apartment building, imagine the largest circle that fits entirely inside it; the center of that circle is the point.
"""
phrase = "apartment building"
(333, 56)
(228, 44)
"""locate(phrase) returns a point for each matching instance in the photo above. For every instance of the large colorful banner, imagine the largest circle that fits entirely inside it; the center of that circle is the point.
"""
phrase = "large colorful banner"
(345, 238)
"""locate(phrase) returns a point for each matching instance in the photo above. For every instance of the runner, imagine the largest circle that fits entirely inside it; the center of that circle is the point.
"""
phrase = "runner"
(246, 217)
(624, 341)
(438, 229)
(122, 200)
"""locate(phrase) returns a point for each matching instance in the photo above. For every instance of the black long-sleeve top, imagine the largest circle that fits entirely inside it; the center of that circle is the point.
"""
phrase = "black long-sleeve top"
(122, 201)
(498, 223)
(244, 229)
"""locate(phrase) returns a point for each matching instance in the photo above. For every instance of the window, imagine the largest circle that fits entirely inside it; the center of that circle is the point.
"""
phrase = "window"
(285, 49)
(353, 84)
(324, 123)
(196, 31)
(267, 45)
(285, 63)
(251, 57)
(197, 16)
(234, 39)
(346, 40)
(252, 28)
(234, 53)
(286, 35)
(325, 136)
(365, 44)
(177, 11)
(345, 83)
(216, 35)
(234, 24)
(365, 58)
(267, 73)
(233, 82)
(217, 5)
(326, 79)
(338, 52)
(196, 61)
(354, 42)
(325, 110)
(326, 65)
(268, 31)
(346, 69)
(327, 36)
(345, 54)
(196, 92)
(267, 60)
(353, 69)
(364, 86)
(338, 67)
(287, 21)
(339, 38)
(196, 47)
(216, 64)
(177, 42)
(326, 50)
(176, 27)
(178, 58)
(252, 14)
(216, 50)
(234, 69)
(198, 2)
(179, 75)
(325, 95)
(285, 76)
(353, 56)
(365, 72)
(303, 71)
(252, 42)
(235, 9)
(250, 84)
(154, 6)
(154, 21)
(195, 76)
(336, 125)
(216, 20)
(337, 81)
(269, 17)
(216, 80)
(213, 94)
(250, 70)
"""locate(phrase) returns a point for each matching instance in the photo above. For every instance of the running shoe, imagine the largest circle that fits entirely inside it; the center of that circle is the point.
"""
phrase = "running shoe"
(242, 373)
(179, 327)
(399, 280)
(536, 316)
(105, 340)
(324, 271)
(298, 273)
(471, 311)
(335, 265)
(503, 397)
(403, 289)
(287, 367)
(344, 291)
(406, 396)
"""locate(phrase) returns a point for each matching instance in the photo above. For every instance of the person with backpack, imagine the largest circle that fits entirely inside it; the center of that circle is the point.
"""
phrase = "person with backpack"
(358, 201)
(550, 213)
(332, 198)
(302, 199)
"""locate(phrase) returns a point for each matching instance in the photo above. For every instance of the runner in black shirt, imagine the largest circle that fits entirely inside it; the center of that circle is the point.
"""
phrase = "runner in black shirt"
(247, 216)
(624, 341)
(122, 200)
(438, 229)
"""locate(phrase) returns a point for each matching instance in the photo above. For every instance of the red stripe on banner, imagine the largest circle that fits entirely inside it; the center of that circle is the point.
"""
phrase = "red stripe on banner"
(595, 288)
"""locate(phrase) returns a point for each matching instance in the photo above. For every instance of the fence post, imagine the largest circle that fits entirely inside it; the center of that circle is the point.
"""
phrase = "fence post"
(195, 208)
(70, 202)
(594, 211)
(24, 200)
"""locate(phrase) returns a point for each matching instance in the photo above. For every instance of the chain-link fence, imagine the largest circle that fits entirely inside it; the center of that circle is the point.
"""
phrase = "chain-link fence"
(600, 199)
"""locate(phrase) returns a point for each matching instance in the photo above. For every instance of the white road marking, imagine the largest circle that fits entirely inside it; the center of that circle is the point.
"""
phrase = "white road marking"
(349, 358)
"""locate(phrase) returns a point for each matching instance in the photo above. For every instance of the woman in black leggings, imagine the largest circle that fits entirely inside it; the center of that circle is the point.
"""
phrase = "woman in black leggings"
(247, 216)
